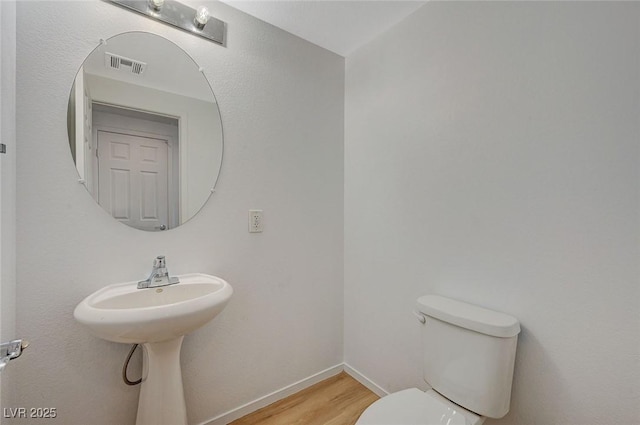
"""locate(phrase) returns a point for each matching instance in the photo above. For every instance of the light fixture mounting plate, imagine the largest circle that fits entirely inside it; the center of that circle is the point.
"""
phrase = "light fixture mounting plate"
(178, 15)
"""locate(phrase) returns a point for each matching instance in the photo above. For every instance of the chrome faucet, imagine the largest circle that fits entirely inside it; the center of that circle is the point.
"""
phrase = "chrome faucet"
(159, 275)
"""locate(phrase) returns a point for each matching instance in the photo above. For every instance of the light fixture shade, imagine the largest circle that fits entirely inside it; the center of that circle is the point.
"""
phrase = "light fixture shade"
(202, 16)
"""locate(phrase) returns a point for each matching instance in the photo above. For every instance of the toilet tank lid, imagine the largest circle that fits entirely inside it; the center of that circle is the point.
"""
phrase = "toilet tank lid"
(469, 316)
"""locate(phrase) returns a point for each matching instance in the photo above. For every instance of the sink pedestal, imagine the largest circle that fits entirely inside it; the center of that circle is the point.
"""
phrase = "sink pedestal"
(161, 393)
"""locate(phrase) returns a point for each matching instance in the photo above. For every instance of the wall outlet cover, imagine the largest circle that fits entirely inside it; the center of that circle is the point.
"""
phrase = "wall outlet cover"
(256, 221)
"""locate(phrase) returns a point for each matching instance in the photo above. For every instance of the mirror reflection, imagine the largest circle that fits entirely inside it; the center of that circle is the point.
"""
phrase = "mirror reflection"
(145, 131)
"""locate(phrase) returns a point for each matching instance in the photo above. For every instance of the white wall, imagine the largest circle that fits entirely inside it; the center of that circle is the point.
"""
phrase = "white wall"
(492, 155)
(7, 185)
(281, 101)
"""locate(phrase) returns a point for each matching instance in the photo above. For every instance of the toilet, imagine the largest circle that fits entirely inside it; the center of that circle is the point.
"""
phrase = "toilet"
(469, 354)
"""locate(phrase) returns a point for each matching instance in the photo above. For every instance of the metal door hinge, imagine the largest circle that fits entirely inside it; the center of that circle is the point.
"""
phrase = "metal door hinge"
(3, 148)
(11, 350)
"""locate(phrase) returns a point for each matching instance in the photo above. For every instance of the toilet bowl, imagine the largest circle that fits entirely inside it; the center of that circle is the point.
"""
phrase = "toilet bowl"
(416, 407)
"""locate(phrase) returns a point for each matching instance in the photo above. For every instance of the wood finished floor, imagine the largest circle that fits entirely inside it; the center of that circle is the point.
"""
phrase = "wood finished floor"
(338, 400)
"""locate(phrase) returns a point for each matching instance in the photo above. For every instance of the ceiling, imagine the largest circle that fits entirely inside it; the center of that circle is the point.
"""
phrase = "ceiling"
(339, 26)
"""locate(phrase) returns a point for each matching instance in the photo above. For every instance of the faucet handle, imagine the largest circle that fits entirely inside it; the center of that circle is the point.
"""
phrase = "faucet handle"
(159, 262)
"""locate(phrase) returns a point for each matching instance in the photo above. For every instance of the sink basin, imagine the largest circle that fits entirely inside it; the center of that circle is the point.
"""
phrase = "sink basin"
(158, 318)
(124, 313)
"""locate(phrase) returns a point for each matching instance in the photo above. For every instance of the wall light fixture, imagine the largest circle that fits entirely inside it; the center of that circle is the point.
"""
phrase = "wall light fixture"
(198, 22)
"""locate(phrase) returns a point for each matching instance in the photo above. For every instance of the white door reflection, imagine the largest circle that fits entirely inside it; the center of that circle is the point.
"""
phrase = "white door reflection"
(137, 155)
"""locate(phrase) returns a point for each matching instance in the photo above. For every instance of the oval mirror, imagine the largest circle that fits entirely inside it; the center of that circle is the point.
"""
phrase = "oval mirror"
(145, 131)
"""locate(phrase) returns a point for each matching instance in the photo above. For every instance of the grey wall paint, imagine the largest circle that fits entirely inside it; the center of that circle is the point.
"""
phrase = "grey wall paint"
(281, 101)
(492, 155)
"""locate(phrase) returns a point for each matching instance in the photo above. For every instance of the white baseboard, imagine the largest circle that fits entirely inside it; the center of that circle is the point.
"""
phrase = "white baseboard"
(266, 400)
(377, 389)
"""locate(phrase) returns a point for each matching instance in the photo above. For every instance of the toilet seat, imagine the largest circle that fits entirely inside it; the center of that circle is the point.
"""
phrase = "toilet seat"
(416, 407)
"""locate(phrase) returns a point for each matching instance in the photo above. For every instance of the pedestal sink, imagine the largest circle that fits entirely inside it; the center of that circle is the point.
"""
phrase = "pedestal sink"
(158, 318)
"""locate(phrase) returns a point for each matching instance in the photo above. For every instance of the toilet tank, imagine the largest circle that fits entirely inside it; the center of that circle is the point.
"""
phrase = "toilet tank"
(469, 354)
